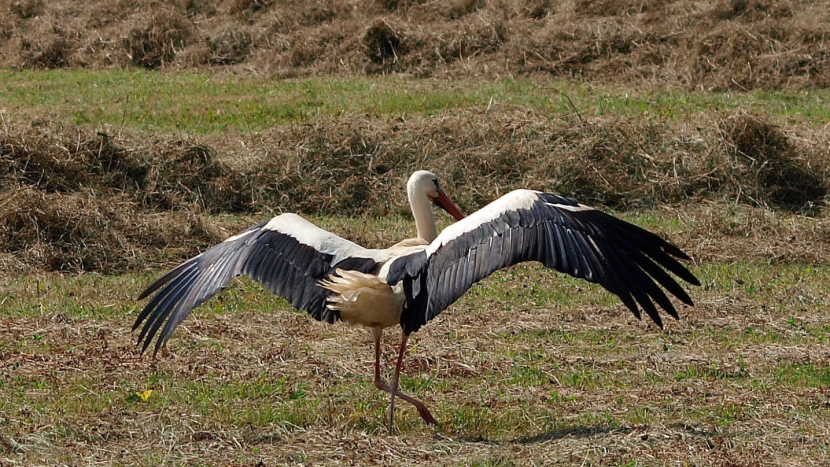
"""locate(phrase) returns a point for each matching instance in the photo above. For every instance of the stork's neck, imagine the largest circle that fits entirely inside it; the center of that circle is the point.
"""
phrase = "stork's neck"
(424, 218)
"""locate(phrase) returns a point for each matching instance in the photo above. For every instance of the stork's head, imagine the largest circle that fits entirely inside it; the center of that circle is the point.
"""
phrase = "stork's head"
(424, 183)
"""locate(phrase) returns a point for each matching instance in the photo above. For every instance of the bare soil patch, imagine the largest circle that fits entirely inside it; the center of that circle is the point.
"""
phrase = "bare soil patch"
(719, 45)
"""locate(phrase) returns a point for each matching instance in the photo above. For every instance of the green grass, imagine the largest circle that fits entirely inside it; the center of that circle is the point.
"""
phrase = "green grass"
(201, 103)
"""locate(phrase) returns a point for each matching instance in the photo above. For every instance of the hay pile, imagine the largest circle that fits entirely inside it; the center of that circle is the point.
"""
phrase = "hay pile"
(159, 175)
(720, 45)
(85, 231)
(75, 200)
(619, 163)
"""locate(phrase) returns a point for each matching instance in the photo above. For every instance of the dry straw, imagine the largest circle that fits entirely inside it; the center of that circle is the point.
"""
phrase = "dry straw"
(77, 200)
(721, 45)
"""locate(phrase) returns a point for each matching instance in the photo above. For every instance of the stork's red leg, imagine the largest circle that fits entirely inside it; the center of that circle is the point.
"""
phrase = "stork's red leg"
(401, 352)
(422, 408)
(381, 384)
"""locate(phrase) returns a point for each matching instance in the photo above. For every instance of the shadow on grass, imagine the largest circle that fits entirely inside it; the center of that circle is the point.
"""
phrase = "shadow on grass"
(572, 431)
(559, 433)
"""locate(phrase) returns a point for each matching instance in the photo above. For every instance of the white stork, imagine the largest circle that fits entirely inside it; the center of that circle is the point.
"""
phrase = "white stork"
(412, 282)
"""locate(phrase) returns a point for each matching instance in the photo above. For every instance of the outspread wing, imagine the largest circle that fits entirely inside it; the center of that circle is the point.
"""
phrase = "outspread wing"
(560, 233)
(287, 254)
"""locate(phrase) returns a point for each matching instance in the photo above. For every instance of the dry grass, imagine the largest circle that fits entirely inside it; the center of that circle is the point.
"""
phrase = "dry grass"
(721, 45)
(159, 175)
(75, 201)
(523, 371)
(84, 231)
(383, 45)
(62, 184)
(157, 43)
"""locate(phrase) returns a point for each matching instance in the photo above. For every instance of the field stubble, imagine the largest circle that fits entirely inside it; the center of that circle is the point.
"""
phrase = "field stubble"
(527, 369)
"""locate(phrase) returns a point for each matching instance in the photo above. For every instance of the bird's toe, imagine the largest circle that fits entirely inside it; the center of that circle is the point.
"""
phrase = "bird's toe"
(426, 416)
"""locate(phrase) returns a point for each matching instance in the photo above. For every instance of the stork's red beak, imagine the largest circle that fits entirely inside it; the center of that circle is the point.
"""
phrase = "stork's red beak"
(445, 203)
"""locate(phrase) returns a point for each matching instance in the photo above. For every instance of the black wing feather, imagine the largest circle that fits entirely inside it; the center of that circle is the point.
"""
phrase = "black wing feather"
(561, 234)
(279, 261)
(171, 295)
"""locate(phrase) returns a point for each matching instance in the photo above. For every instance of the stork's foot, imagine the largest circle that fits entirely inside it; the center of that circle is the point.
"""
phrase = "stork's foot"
(422, 411)
(420, 406)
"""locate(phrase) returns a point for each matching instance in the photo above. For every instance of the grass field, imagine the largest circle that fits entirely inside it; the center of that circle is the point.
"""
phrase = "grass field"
(135, 134)
(193, 103)
(528, 368)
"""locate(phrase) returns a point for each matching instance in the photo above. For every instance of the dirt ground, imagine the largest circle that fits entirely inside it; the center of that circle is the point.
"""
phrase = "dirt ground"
(710, 45)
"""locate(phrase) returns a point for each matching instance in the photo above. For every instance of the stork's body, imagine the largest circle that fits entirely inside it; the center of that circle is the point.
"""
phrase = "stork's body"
(416, 279)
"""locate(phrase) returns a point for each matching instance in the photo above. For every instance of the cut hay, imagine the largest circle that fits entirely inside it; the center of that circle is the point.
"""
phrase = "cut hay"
(26, 9)
(770, 166)
(53, 158)
(383, 45)
(71, 197)
(83, 231)
(230, 47)
(723, 45)
(157, 43)
(55, 54)
(75, 201)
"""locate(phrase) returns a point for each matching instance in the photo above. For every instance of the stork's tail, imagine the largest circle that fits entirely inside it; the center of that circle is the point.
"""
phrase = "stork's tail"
(362, 298)
(348, 285)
